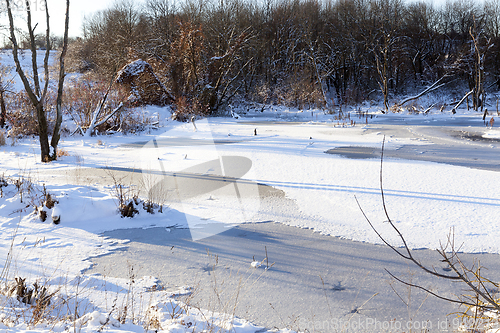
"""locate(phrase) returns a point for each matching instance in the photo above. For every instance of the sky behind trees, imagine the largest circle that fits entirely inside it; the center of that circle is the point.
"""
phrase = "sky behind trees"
(81, 8)
(78, 10)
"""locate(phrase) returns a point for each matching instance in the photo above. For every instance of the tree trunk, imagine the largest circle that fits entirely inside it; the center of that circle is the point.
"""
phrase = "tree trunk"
(57, 129)
(386, 97)
(3, 113)
(37, 97)
(43, 133)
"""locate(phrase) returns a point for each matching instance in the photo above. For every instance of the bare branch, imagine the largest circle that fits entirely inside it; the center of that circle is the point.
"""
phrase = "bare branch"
(409, 255)
(34, 64)
(462, 100)
(111, 114)
(99, 108)
(429, 89)
(57, 129)
(454, 262)
(46, 58)
(15, 54)
(430, 292)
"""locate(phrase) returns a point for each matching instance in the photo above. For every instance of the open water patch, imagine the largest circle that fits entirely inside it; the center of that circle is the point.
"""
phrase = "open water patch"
(355, 152)
(476, 137)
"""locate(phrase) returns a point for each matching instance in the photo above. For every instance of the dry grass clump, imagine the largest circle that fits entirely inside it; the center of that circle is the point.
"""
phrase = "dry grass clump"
(36, 295)
(48, 202)
(30, 194)
(127, 197)
(61, 152)
(31, 304)
(27, 191)
(130, 205)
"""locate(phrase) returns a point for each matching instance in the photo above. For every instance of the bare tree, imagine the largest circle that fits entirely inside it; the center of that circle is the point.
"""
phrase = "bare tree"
(479, 52)
(382, 59)
(57, 129)
(113, 35)
(382, 38)
(36, 94)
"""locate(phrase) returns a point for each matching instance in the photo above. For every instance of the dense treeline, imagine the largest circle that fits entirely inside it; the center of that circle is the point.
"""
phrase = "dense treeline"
(301, 52)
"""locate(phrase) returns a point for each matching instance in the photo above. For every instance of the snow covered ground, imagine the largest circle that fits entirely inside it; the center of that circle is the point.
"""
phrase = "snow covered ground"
(425, 199)
(286, 149)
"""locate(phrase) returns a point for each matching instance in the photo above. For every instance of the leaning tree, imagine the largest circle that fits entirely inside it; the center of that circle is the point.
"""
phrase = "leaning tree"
(36, 93)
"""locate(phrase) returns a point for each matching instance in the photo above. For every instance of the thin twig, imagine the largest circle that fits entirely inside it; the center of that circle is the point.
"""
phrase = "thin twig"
(481, 291)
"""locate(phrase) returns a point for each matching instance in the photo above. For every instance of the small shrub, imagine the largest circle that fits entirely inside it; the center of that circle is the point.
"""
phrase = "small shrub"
(49, 199)
(130, 122)
(185, 109)
(83, 95)
(128, 210)
(26, 189)
(43, 215)
(301, 93)
(2, 138)
(354, 95)
(126, 199)
(3, 183)
(297, 91)
(61, 152)
(36, 296)
(23, 118)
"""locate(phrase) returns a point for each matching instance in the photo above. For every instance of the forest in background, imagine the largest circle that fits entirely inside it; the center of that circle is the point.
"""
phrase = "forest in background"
(303, 53)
